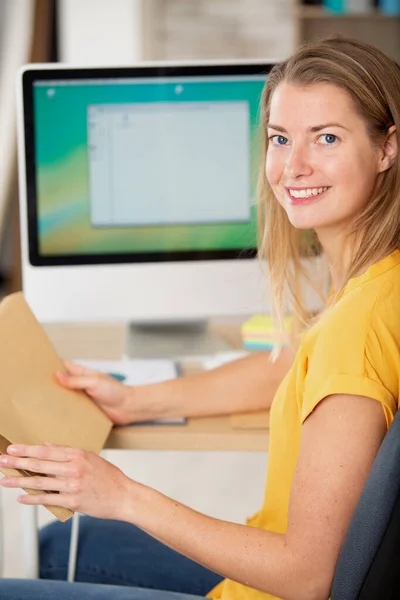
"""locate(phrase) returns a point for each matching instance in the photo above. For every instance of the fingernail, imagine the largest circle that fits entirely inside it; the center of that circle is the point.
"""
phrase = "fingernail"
(14, 449)
(5, 480)
(3, 460)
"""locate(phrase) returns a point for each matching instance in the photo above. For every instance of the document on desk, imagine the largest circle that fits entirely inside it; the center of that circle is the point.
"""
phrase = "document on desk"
(139, 372)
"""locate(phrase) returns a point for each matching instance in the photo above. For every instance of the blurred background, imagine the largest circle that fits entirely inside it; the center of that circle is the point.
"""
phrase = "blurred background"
(87, 32)
(123, 32)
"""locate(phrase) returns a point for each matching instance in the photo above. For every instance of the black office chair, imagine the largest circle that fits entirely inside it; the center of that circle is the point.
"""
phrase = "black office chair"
(368, 567)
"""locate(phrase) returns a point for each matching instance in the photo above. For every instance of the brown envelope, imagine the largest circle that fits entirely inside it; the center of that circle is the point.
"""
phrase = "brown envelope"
(34, 407)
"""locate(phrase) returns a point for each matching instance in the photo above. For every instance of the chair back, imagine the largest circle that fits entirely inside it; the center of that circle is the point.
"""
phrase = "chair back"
(368, 566)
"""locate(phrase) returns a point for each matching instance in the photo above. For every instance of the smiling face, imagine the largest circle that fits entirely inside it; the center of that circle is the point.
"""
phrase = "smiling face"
(321, 163)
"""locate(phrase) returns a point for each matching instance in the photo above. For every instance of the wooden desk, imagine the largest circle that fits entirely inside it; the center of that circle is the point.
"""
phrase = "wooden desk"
(211, 433)
(239, 432)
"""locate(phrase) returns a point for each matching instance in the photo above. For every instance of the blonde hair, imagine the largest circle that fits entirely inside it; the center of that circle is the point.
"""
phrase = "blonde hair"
(373, 82)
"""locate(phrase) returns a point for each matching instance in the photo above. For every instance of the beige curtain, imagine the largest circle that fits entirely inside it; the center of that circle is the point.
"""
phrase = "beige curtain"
(25, 35)
(15, 44)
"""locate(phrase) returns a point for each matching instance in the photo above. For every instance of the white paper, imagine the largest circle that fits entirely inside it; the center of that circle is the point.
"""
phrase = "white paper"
(138, 372)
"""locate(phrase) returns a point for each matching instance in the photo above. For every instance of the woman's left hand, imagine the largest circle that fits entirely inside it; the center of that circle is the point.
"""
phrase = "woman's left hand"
(78, 480)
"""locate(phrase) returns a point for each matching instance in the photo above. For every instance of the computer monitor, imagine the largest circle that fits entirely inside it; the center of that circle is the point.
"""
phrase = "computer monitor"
(138, 191)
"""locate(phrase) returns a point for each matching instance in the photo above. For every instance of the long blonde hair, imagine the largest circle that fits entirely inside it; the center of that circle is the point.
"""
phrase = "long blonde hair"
(373, 82)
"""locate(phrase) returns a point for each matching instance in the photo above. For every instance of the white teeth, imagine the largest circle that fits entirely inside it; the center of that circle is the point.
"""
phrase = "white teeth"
(307, 193)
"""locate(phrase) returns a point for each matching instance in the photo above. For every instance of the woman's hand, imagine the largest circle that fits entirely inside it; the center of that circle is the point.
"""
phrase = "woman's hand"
(110, 395)
(78, 480)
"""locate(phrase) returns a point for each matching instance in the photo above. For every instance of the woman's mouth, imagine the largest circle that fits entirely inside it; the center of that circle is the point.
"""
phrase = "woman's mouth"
(305, 195)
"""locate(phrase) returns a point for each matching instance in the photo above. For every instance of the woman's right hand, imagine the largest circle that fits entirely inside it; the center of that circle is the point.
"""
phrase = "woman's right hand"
(109, 394)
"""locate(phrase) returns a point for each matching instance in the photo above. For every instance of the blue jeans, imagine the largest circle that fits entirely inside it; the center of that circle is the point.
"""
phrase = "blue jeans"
(111, 553)
(38, 589)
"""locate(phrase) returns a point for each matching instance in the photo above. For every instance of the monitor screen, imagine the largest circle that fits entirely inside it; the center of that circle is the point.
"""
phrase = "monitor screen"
(142, 164)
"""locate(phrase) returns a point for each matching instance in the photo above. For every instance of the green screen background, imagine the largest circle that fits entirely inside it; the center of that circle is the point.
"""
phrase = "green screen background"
(62, 170)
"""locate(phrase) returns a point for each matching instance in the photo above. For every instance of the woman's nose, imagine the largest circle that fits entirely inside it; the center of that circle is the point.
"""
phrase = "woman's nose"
(297, 163)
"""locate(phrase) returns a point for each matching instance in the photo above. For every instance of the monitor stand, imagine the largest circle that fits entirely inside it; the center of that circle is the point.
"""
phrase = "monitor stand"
(169, 340)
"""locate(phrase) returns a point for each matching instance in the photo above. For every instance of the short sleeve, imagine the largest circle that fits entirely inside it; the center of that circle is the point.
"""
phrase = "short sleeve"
(353, 357)
(345, 383)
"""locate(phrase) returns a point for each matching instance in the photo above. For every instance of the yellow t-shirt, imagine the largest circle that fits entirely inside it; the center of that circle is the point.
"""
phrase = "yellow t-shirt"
(353, 349)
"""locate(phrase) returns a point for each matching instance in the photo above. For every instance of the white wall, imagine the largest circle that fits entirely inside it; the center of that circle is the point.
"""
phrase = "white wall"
(110, 32)
(100, 32)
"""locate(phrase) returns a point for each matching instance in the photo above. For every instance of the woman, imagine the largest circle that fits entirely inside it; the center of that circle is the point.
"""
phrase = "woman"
(330, 165)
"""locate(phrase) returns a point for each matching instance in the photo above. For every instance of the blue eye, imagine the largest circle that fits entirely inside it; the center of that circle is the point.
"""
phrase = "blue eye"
(329, 138)
(278, 140)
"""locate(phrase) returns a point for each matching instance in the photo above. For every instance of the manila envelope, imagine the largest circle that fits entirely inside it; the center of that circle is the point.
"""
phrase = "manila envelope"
(34, 407)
